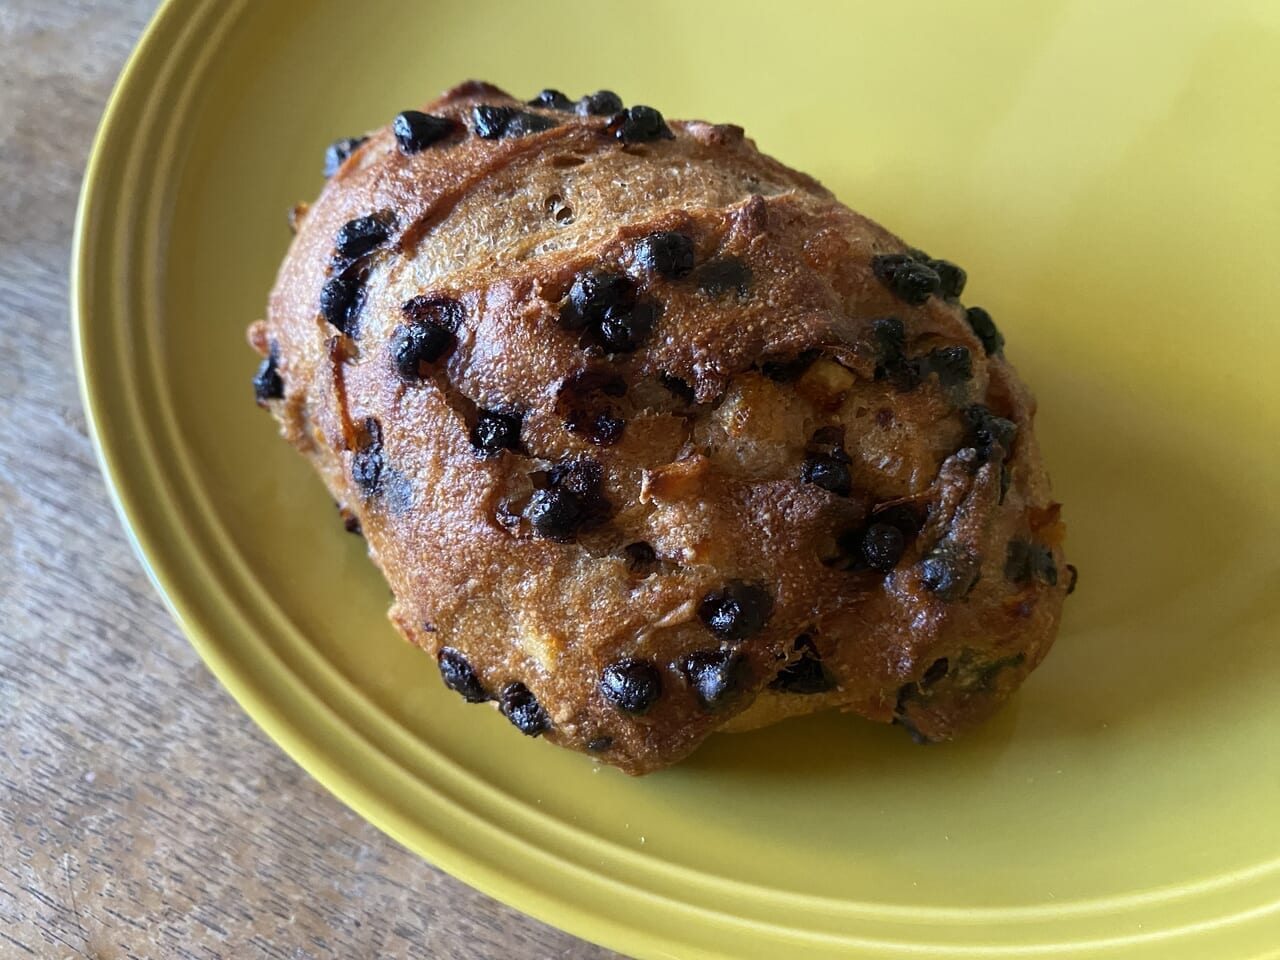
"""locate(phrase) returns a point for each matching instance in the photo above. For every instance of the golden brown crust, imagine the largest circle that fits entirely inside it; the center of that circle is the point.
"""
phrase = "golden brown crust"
(772, 339)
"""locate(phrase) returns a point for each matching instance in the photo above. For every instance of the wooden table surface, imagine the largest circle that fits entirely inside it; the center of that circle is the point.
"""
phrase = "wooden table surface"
(142, 813)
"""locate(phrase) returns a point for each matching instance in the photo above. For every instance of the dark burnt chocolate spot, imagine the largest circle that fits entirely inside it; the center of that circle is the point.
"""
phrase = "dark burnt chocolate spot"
(715, 676)
(363, 235)
(459, 676)
(639, 124)
(415, 130)
(445, 312)
(632, 685)
(496, 123)
(413, 345)
(737, 611)
(726, 274)
(830, 471)
(555, 514)
(594, 296)
(342, 298)
(936, 672)
(806, 675)
(521, 707)
(882, 546)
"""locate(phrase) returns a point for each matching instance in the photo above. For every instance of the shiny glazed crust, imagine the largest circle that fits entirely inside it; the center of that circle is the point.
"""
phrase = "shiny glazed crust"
(730, 472)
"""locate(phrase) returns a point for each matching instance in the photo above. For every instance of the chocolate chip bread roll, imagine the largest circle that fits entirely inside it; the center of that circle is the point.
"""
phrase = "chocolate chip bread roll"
(652, 437)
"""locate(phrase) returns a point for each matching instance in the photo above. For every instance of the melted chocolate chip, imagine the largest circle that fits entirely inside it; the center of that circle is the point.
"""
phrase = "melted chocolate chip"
(667, 254)
(639, 124)
(551, 100)
(495, 123)
(415, 131)
(830, 471)
(416, 344)
(602, 103)
(555, 514)
(985, 432)
(715, 676)
(949, 570)
(738, 611)
(984, 328)
(599, 744)
(267, 383)
(338, 151)
(445, 312)
(593, 296)
(882, 546)
(889, 336)
(362, 235)
(495, 431)
(521, 707)
(909, 279)
(459, 676)
(341, 299)
(622, 331)
(951, 278)
(723, 275)
(806, 675)
(631, 685)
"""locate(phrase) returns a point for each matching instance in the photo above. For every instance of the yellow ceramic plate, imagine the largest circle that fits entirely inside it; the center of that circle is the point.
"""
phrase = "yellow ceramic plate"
(1110, 176)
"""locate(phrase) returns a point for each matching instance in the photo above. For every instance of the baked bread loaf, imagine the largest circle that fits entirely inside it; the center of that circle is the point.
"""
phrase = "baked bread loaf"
(652, 437)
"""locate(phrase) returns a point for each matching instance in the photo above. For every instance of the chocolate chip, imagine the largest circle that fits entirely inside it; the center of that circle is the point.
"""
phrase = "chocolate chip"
(267, 384)
(805, 676)
(341, 299)
(937, 670)
(521, 707)
(552, 100)
(602, 103)
(951, 278)
(363, 234)
(415, 344)
(599, 744)
(715, 675)
(667, 254)
(1072, 576)
(953, 365)
(909, 279)
(984, 328)
(459, 676)
(949, 570)
(723, 275)
(351, 524)
(828, 471)
(594, 295)
(367, 463)
(639, 124)
(905, 518)
(737, 611)
(622, 331)
(415, 131)
(889, 336)
(338, 151)
(496, 123)
(882, 546)
(555, 514)
(985, 432)
(631, 685)
(640, 556)
(496, 431)
(601, 429)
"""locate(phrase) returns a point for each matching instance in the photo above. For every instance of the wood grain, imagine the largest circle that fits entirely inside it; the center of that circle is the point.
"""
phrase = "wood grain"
(142, 814)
